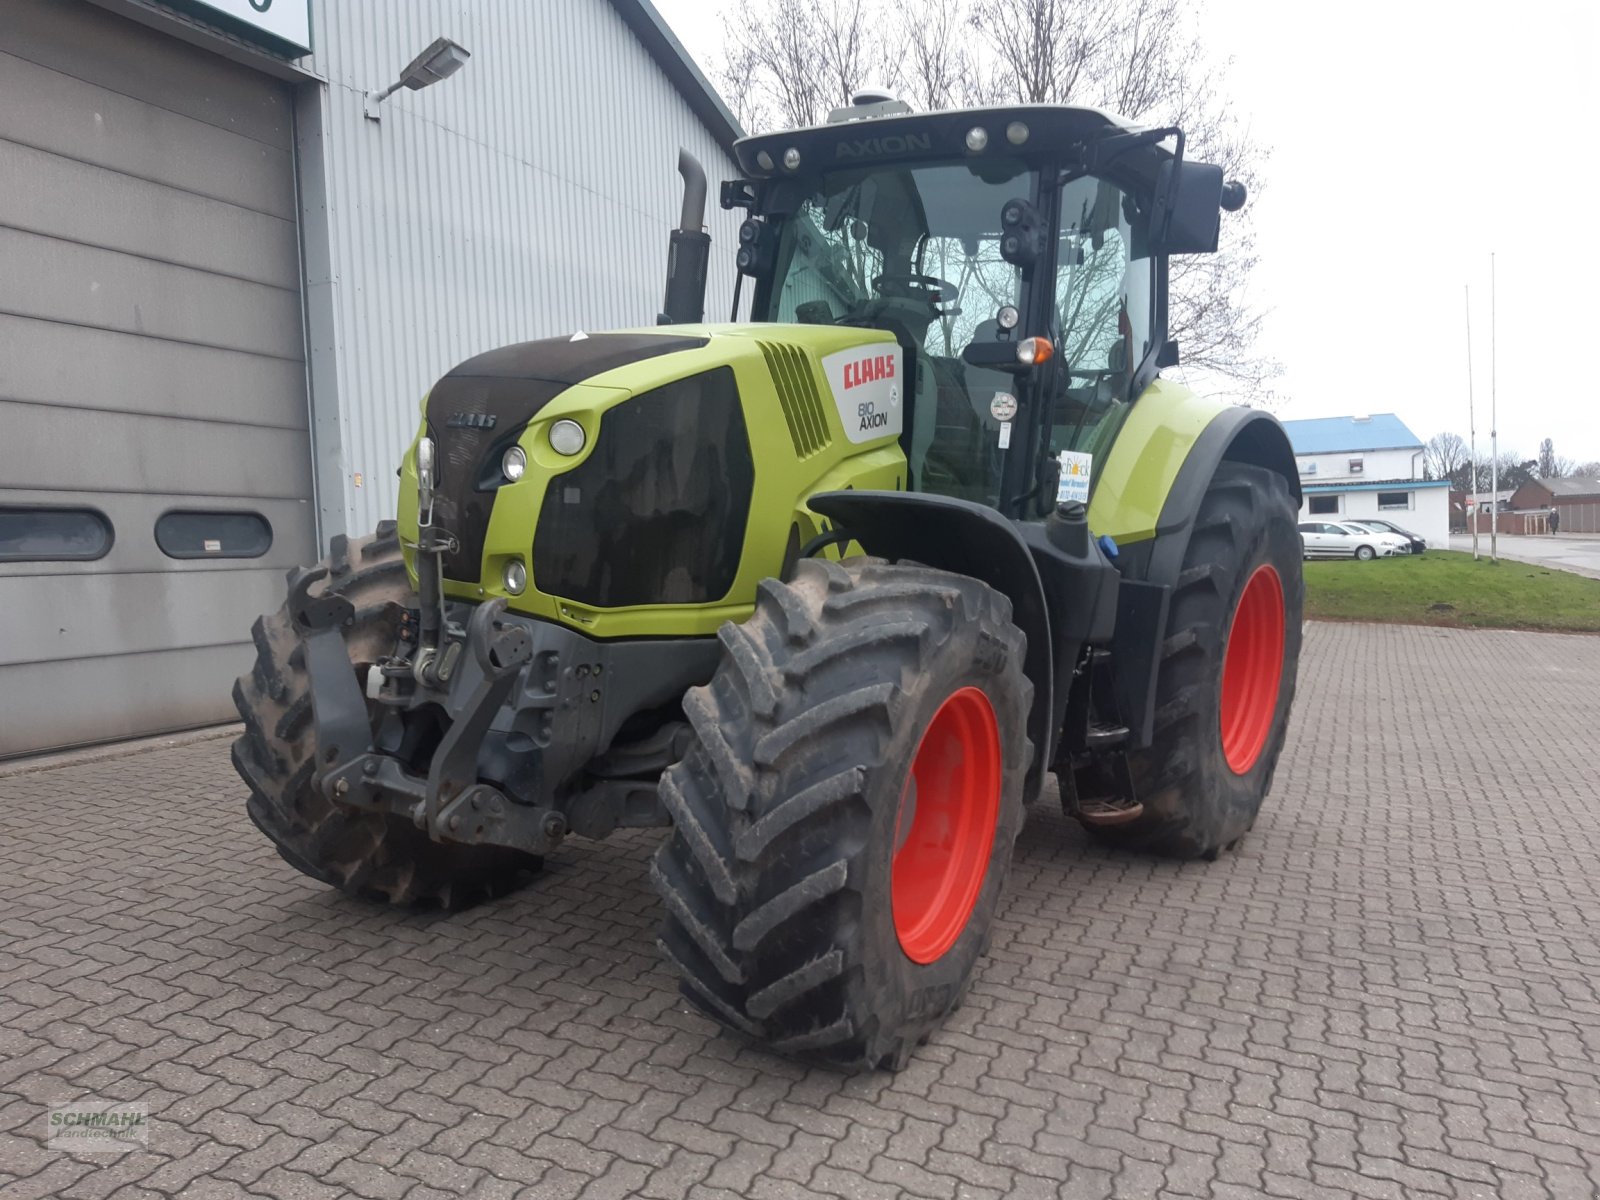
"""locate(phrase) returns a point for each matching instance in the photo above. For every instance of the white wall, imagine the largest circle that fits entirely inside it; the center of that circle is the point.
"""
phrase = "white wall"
(1428, 515)
(530, 194)
(1376, 464)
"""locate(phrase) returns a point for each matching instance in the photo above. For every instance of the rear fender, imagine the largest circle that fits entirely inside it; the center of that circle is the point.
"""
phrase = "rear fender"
(968, 539)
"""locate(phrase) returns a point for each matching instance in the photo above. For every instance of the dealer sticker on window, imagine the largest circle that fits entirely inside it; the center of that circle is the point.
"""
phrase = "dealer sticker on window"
(865, 382)
(1075, 470)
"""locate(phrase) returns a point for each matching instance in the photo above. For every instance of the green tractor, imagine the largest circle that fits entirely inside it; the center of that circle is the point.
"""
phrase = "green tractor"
(829, 593)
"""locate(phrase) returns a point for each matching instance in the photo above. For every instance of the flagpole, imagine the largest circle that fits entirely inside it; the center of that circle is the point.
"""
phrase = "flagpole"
(1494, 431)
(1472, 429)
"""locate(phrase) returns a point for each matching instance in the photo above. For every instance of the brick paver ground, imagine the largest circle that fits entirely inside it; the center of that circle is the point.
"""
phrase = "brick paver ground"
(1391, 990)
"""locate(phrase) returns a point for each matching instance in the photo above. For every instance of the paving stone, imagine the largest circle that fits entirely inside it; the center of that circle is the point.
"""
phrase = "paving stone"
(1392, 988)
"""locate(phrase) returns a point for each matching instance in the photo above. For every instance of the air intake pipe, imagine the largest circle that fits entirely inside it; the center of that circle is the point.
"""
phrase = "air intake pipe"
(688, 250)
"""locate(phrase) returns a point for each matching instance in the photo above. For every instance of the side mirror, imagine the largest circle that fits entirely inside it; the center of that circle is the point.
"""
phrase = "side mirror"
(1193, 208)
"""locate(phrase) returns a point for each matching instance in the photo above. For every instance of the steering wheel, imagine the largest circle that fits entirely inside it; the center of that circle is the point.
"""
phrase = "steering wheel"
(942, 296)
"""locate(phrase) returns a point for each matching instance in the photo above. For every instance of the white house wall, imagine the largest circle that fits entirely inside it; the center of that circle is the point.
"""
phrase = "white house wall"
(1428, 516)
(1375, 464)
(528, 195)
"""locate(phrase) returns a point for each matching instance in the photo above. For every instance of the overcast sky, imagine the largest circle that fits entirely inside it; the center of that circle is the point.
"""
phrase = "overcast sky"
(1409, 139)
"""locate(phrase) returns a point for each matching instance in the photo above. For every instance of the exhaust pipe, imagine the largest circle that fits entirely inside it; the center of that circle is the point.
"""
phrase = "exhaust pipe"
(688, 250)
(694, 192)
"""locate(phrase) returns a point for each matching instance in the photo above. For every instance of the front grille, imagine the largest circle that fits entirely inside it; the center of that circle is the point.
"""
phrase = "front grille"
(796, 385)
(468, 447)
(656, 514)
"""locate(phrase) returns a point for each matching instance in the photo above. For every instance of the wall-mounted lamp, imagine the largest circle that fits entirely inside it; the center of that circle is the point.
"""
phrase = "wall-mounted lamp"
(439, 61)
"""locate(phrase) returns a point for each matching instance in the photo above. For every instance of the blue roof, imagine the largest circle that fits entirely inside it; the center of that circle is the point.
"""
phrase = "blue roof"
(1331, 435)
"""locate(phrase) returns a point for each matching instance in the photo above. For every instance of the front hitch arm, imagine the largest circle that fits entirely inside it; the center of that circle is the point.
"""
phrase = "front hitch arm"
(338, 706)
(498, 652)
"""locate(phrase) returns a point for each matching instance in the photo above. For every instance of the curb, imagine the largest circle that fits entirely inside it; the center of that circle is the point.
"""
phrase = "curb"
(92, 754)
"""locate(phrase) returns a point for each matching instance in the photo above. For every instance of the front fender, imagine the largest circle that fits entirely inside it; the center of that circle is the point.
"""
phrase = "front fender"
(968, 539)
(1148, 490)
(1147, 497)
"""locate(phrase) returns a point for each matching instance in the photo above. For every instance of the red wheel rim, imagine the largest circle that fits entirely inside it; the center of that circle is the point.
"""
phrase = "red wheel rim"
(1252, 670)
(945, 826)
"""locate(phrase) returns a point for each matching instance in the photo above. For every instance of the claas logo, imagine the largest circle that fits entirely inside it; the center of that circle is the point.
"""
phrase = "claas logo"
(868, 370)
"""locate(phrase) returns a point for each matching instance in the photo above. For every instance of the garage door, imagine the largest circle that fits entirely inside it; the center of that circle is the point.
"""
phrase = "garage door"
(155, 474)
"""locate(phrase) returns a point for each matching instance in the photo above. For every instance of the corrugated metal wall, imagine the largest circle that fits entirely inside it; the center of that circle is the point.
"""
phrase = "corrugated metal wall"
(528, 195)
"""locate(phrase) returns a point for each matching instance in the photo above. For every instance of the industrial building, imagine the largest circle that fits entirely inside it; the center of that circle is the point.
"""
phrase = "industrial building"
(231, 266)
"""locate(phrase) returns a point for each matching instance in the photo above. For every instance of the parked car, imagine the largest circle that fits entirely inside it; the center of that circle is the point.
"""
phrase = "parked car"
(1335, 539)
(1378, 525)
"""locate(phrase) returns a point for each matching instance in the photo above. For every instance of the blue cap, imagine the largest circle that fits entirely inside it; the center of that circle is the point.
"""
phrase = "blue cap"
(1109, 544)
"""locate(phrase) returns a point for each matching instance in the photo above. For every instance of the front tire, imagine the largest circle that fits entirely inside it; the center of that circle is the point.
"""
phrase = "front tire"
(1226, 679)
(844, 821)
(1365, 553)
(370, 855)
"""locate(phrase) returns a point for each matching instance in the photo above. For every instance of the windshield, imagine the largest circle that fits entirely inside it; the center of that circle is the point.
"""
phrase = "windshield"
(915, 251)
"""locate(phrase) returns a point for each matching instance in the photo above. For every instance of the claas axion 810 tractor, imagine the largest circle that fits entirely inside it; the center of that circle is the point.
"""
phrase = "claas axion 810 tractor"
(830, 592)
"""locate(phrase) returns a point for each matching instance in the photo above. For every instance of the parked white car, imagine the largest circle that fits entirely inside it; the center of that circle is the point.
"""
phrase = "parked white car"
(1418, 543)
(1333, 539)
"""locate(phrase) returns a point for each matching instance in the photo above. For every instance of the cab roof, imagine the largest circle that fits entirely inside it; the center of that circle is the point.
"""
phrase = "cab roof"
(1050, 130)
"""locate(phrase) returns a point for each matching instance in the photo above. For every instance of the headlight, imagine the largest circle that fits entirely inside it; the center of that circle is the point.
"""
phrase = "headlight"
(515, 576)
(425, 480)
(425, 464)
(567, 437)
(513, 464)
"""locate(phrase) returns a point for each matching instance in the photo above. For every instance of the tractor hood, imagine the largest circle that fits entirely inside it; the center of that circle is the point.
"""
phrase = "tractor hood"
(494, 393)
(653, 501)
(478, 411)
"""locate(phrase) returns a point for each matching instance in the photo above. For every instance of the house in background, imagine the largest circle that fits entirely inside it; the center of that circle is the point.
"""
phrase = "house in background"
(1368, 466)
(1577, 500)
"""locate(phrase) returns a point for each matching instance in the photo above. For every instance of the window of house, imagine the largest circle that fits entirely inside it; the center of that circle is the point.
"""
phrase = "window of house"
(1323, 506)
(192, 533)
(53, 534)
(1308, 468)
(1357, 465)
(1394, 500)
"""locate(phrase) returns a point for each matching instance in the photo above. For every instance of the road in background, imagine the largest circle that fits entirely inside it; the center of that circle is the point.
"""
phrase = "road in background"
(1575, 552)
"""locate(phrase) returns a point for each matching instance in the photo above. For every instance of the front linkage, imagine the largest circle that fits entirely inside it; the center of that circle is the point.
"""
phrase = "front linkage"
(525, 703)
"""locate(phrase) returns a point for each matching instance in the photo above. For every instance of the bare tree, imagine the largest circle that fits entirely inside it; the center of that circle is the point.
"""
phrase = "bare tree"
(1444, 455)
(1514, 471)
(1551, 464)
(1588, 470)
(938, 67)
(788, 62)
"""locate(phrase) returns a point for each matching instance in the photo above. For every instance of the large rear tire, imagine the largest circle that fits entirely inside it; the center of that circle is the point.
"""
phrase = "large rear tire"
(845, 818)
(365, 854)
(1226, 677)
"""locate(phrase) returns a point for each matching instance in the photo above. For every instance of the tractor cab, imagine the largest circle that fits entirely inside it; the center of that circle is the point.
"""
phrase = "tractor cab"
(1017, 255)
